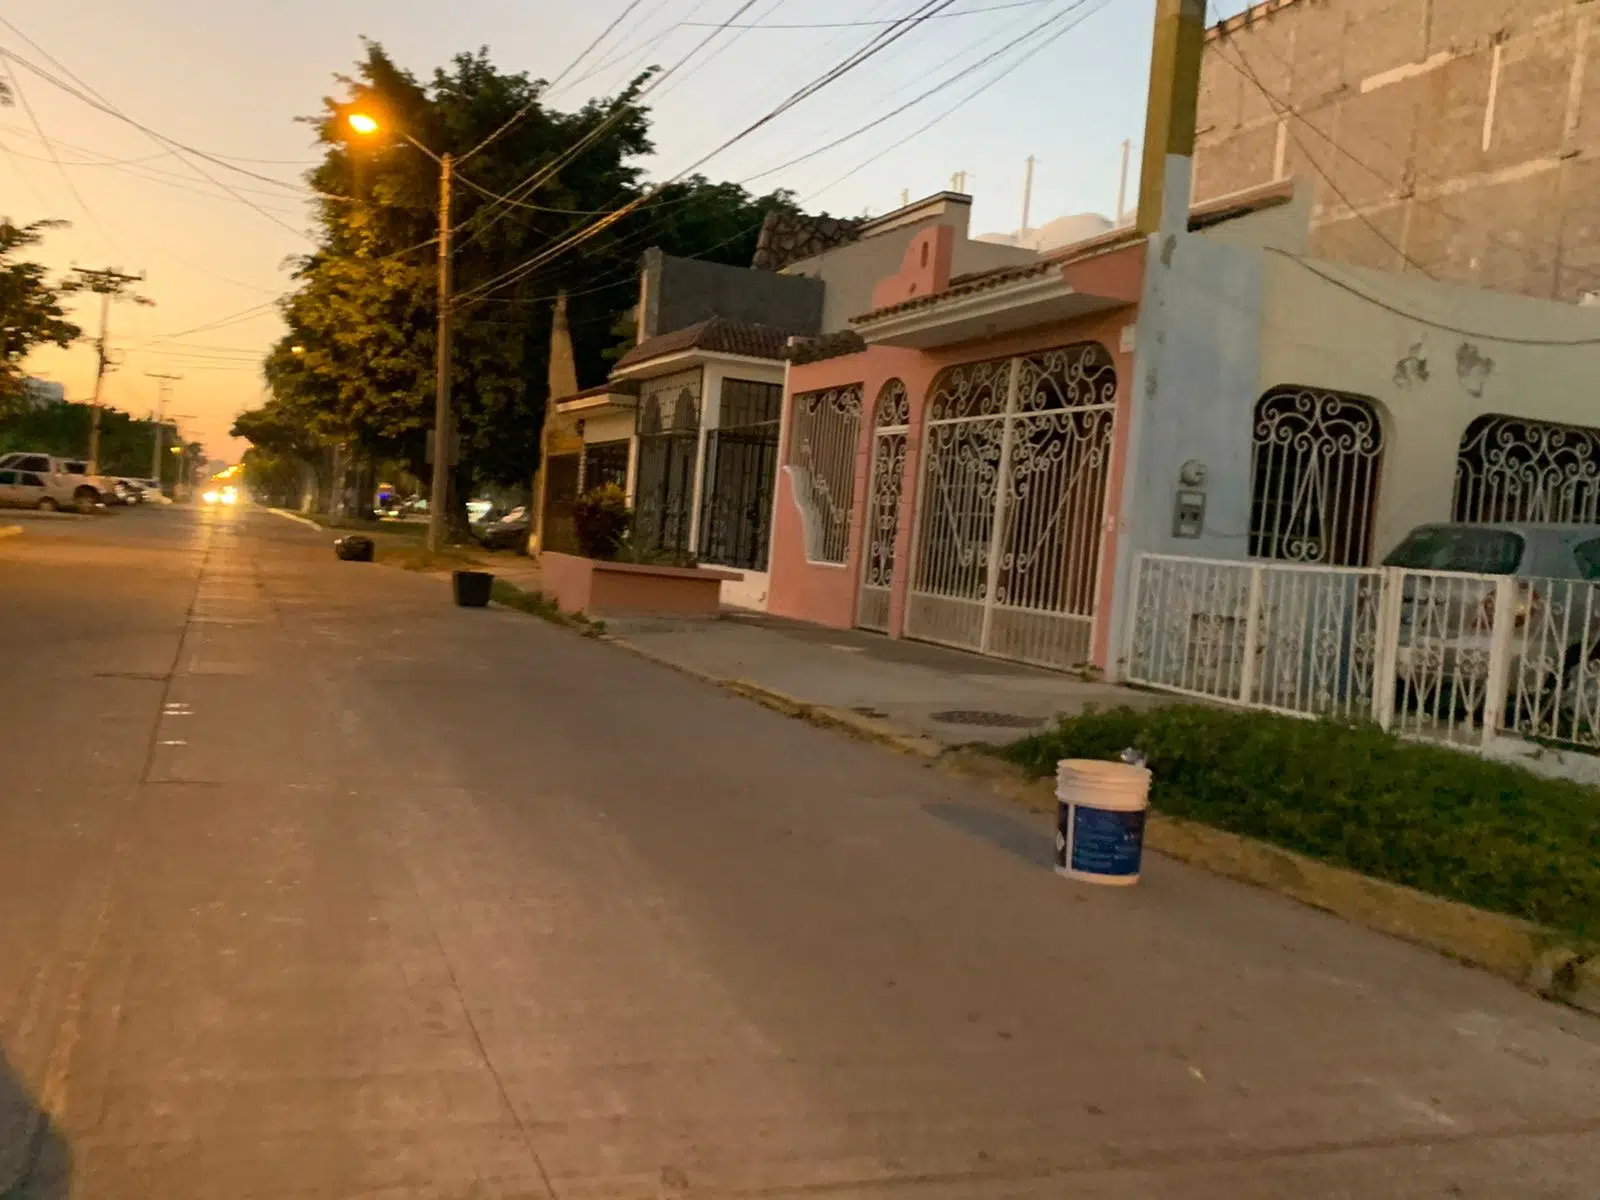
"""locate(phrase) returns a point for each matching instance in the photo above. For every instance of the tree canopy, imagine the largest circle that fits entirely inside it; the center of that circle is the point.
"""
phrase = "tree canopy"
(358, 360)
(31, 312)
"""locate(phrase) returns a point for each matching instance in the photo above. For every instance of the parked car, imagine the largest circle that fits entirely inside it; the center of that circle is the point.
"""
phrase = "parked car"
(509, 532)
(1447, 608)
(151, 492)
(46, 482)
(123, 491)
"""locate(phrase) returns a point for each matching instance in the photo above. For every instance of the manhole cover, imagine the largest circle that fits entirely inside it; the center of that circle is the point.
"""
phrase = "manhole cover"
(996, 720)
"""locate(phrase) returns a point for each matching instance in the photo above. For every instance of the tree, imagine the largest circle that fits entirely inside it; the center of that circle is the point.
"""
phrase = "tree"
(358, 361)
(31, 312)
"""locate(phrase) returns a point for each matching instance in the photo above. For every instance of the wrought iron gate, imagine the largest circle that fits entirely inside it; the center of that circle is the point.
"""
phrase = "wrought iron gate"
(1009, 514)
(736, 513)
(891, 421)
(664, 498)
(669, 443)
(741, 468)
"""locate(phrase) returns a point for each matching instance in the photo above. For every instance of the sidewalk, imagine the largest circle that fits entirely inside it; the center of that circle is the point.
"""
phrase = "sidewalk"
(949, 696)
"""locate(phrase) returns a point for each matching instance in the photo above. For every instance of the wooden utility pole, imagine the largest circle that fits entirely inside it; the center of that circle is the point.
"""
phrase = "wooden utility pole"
(1169, 119)
(1160, 367)
(106, 282)
(163, 383)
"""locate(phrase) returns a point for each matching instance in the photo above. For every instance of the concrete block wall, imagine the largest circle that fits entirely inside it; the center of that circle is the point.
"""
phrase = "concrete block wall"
(1458, 137)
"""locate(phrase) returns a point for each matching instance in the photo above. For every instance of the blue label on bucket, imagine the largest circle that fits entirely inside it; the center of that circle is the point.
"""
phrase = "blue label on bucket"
(1106, 841)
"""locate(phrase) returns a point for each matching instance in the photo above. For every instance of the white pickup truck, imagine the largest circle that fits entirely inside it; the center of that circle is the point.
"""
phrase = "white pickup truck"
(46, 481)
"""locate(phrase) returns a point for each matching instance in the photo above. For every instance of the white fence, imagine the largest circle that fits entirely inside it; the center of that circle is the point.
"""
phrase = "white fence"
(1444, 655)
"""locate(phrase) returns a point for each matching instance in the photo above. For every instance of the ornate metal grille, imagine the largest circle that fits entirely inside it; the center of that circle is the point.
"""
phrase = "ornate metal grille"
(822, 458)
(669, 443)
(1016, 455)
(891, 418)
(603, 463)
(1510, 469)
(741, 465)
(1315, 457)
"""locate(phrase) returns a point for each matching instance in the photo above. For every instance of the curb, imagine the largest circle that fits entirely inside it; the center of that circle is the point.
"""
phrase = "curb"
(1527, 954)
(867, 729)
(298, 519)
(1524, 953)
(10, 531)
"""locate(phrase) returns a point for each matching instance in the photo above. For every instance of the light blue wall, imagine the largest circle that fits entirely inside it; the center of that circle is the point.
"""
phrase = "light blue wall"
(1199, 393)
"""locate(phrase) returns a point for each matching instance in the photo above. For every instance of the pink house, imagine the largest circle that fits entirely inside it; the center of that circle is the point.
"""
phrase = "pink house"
(949, 464)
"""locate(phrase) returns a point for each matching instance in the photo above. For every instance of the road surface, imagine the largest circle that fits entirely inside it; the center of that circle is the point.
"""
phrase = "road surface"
(312, 885)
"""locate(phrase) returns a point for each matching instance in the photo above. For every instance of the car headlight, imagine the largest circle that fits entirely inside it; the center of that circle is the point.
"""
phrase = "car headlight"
(210, 497)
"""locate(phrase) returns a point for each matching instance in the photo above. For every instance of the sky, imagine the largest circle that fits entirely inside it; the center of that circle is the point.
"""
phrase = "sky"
(230, 79)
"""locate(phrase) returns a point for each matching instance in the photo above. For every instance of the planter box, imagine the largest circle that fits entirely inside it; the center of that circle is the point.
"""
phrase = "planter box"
(614, 589)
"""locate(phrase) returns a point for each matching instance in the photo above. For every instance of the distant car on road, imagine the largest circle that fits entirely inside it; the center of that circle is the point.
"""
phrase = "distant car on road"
(46, 482)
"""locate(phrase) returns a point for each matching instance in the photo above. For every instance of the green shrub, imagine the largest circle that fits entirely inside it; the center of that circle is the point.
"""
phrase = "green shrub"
(1439, 820)
(602, 519)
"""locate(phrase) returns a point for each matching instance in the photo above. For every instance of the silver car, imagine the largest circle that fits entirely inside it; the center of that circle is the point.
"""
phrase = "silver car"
(1448, 600)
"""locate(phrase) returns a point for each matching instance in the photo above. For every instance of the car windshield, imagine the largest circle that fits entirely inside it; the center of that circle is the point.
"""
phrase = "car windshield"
(1458, 548)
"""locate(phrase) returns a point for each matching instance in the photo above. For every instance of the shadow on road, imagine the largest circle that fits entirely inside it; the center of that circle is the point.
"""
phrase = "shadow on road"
(1033, 847)
(35, 1160)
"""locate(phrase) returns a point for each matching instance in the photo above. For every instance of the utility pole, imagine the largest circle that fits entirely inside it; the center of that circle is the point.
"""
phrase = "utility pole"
(1169, 120)
(443, 441)
(163, 384)
(105, 282)
(1027, 196)
(1163, 219)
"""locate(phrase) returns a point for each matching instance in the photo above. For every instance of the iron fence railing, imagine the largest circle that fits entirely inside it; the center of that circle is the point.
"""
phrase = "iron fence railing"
(1443, 655)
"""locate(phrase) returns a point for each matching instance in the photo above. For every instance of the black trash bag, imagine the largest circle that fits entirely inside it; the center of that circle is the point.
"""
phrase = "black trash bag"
(472, 588)
(354, 547)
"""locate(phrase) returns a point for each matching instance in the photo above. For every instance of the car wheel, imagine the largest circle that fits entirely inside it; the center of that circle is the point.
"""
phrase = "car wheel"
(84, 500)
(48, 505)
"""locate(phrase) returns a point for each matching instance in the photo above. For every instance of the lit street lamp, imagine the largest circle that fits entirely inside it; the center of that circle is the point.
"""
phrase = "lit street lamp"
(367, 126)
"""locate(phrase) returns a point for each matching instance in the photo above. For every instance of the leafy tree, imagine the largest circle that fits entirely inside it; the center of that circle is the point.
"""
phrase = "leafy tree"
(358, 360)
(31, 313)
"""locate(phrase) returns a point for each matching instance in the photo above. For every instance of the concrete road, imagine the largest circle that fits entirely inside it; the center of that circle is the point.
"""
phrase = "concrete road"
(312, 885)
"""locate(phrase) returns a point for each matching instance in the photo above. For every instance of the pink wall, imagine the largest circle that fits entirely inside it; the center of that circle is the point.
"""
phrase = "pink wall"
(827, 594)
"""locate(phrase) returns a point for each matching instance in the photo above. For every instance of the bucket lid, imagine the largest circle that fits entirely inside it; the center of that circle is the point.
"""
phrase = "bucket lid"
(1093, 771)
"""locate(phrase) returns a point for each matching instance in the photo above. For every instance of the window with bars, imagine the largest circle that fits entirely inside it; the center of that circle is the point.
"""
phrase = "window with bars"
(1513, 469)
(822, 462)
(1314, 463)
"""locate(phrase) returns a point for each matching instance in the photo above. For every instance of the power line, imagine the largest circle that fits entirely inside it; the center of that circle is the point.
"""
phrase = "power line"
(636, 49)
(1282, 108)
(94, 99)
(38, 129)
(874, 46)
(533, 101)
(961, 103)
(1034, 31)
(1486, 335)
(965, 12)
(543, 174)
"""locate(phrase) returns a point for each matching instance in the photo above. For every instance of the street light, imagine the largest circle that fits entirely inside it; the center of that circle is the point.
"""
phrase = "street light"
(367, 125)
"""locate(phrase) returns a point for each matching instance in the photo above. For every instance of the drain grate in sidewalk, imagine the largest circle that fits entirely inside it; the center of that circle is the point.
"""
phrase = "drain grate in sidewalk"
(993, 720)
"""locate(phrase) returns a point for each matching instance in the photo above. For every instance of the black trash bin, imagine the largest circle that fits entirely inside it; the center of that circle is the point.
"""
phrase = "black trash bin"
(354, 547)
(472, 588)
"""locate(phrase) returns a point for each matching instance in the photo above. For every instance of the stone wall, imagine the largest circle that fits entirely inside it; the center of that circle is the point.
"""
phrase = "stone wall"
(1459, 138)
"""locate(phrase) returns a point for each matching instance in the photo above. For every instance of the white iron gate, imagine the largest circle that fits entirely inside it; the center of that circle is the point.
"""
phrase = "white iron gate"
(1444, 655)
(1015, 459)
(891, 422)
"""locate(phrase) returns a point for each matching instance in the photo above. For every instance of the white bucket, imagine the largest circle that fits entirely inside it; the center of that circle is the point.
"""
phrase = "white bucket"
(1100, 815)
